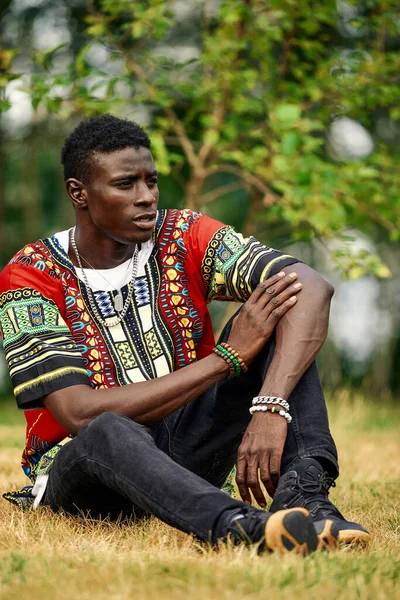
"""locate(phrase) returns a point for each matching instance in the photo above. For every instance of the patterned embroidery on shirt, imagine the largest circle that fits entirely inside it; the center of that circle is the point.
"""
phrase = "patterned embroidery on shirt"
(35, 335)
(153, 344)
(22, 498)
(233, 265)
(105, 304)
(178, 307)
(45, 463)
(125, 353)
(142, 292)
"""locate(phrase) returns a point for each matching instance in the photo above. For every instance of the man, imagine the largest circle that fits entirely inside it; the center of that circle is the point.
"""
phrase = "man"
(121, 299)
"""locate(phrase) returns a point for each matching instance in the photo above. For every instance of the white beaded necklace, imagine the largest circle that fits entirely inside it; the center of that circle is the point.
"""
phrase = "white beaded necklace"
(119, 306)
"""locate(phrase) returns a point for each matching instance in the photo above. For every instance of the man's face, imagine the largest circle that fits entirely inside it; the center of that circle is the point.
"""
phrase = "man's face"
(122, 195)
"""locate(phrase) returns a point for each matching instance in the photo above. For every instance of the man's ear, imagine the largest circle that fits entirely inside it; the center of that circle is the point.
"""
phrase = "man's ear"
(77, 192)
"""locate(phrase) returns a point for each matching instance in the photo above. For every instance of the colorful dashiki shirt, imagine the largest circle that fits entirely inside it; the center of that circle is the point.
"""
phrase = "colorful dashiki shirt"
(52, 339)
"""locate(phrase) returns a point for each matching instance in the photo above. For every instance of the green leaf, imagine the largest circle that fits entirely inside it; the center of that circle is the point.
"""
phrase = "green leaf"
(53, 104)
(36, 100)
(81, 65)
(281, 164)
(368, 173)
(382, 271)
(5, 78)
(288, 113)
(5, 105)
(211, 137)
(160, 153)
(356, 271)
(97, 29)
(290, 142)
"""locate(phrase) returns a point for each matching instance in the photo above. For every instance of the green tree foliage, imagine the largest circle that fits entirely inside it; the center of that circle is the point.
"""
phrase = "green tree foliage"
(251, 111)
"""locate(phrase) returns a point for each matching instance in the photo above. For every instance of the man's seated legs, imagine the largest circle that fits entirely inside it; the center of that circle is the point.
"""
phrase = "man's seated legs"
(115, 457)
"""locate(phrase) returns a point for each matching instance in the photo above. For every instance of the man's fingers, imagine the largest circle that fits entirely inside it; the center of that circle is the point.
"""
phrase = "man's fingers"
(265, 476)
(281, 298)
(254, 484)
(241, 480)
(278, 312)
(274, 469)
(260, 289)
(272, 293)
(276, 288)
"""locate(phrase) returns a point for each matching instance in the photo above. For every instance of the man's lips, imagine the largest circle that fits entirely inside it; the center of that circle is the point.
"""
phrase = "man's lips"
(145, 221)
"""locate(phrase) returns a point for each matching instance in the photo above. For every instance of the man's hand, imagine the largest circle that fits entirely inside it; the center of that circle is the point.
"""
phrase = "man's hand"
(261, 451)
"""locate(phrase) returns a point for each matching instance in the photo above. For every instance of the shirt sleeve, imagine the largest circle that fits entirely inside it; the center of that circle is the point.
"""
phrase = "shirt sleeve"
(41, 354)
(232, 265)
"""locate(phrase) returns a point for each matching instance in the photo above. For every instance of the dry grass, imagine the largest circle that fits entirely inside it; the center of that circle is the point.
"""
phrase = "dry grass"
(42, 554)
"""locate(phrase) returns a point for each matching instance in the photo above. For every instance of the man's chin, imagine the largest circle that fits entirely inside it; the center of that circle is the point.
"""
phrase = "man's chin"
(139, 237)
(146, 236)
(129, 236)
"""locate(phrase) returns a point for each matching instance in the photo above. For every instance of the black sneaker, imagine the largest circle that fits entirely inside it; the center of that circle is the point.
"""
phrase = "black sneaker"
(283, 532)
(307, 485)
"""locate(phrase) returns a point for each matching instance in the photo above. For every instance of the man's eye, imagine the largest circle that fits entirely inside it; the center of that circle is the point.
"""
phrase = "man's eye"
(153, 181)
(126, 183)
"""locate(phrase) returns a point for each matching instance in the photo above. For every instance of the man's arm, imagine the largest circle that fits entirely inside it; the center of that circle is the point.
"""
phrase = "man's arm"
(299, 336)
(143, 402)
(150, 401)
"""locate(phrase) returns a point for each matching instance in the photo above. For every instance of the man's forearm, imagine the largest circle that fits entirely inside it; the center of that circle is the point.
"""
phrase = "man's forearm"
(144, 402)
(299, 334)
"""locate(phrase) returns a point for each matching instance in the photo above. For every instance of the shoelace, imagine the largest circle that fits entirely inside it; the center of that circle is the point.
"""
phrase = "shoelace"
(319, 490)
(323, 483)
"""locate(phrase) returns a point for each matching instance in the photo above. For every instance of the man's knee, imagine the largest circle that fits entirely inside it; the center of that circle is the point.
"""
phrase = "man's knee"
(106, 420)
(110, 430)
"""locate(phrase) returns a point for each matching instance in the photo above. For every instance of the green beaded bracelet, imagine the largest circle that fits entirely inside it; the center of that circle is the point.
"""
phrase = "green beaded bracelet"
(233, 358)
(232, 368)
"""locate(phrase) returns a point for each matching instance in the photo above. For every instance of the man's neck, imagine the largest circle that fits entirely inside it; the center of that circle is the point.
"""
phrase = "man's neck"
(99, 252)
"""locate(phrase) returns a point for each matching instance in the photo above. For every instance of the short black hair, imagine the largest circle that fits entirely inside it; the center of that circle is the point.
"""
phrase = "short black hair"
(100, 134)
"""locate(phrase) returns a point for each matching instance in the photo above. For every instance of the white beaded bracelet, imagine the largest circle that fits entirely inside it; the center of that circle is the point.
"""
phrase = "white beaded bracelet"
(264, 408)
(271, 400)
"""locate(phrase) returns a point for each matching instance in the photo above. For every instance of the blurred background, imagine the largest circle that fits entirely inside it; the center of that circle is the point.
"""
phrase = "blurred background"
(281, 118)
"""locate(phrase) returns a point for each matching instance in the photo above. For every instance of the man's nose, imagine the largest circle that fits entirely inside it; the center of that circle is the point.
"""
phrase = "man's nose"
(144, 195)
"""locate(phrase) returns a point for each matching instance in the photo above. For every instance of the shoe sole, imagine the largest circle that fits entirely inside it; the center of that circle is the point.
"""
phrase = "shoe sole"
(354, 537)
(292, 531)
(327, 534)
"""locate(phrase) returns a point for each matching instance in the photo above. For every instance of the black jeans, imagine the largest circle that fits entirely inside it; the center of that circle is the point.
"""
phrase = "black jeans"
(173, 469)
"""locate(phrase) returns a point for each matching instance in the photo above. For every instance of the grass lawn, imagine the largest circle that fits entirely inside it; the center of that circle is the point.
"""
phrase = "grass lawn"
(45, 555)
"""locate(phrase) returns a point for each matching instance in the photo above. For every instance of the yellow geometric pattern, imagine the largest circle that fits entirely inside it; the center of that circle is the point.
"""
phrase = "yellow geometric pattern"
(125, 353)
(153, 344)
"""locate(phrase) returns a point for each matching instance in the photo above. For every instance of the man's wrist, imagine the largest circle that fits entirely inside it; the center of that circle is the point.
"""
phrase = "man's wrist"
(221, 366)
(274, 405)
(260, 419)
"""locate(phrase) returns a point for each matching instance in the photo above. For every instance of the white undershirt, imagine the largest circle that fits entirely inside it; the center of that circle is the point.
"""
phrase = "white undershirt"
(117, 276)
(114, 279)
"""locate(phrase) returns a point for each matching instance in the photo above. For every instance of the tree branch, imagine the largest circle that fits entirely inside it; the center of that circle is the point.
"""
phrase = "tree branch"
(177, 124)
(287, 44)
(368, 210)
(269, 197)
(222, 191)
(218, 117)
(221, 108)
(181, 134)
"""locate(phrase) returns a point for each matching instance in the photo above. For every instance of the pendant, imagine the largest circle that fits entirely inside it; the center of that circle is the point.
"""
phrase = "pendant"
(118, 302)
